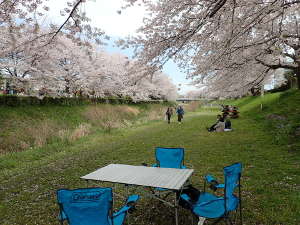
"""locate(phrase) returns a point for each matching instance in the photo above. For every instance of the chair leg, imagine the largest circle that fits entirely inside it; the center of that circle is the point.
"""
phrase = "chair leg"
(194, 218)
(229, 220)
(241, 216)
(176, 209)
(240, 203)
(217, 221)
(234, 217)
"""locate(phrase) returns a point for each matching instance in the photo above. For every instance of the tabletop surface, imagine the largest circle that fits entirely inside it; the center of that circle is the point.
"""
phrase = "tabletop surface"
(141, 175)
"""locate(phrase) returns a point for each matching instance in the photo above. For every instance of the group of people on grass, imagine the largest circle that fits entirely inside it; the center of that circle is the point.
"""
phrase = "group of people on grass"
(223, 122)
(179, 111)
(232, 111)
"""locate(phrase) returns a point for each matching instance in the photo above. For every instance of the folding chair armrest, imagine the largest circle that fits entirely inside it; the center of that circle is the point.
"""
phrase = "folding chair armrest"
(214, 184)
(186, 202)
(188, 165)
(209, 178)
(185, 197)
(132, 199)
(220, 186)
(124, 209)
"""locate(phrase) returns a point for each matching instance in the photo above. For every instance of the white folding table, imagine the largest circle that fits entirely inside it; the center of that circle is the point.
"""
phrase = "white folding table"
(156, 177)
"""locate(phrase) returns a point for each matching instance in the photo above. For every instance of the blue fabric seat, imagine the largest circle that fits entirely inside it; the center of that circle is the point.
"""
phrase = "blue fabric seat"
(169, 158)
(91, 206)
(214, 207)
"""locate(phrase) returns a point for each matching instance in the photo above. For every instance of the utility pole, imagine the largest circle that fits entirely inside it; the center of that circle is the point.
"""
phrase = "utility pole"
(262, 94)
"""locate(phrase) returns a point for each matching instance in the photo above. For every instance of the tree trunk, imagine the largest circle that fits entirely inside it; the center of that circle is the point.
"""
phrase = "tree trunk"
(297, 71)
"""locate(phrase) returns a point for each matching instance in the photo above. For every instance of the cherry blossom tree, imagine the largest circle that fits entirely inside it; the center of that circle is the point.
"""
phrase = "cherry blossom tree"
(65, 64)
(25, 42)
(18, 14)
(229, 45)
(166, 88)
(66, 68)
(120, 76)
(65, 60)
(18, 63)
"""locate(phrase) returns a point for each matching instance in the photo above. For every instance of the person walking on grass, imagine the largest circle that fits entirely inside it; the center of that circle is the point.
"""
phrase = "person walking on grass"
(169, 113)
(180, 113)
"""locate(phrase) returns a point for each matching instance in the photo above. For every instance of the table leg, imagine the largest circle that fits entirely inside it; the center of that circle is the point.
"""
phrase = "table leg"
(127, 190)
(176, 209)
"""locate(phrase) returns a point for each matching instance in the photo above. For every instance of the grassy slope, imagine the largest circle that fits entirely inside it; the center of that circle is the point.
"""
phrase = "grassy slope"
(280, 115)
(270, 178)
(32, 123)
(22, 128)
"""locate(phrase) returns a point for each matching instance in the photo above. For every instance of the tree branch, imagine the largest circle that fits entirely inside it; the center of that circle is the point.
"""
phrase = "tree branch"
(217, 7)
(276, 66)
(68, 18)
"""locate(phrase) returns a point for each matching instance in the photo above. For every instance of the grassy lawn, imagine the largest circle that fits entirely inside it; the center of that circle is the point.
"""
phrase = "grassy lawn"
(270, 179)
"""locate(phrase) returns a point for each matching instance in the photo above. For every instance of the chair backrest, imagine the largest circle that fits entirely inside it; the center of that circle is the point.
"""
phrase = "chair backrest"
(232, 176)
(86, 206)
(169, 157)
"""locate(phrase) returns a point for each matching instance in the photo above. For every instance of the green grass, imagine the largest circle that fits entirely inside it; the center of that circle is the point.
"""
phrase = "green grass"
(270, 179)
(279, 115)
(20, 127)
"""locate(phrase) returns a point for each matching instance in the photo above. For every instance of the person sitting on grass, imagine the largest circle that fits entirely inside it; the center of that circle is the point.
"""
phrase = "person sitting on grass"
(218, 126)
(234, 113)
(227, 122)
(225, 109)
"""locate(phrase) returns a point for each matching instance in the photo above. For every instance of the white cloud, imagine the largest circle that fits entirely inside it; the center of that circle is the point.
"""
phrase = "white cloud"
(103, 14)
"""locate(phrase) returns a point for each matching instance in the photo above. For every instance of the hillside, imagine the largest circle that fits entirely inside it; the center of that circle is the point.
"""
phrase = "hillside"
(31, 126)
(278, 113)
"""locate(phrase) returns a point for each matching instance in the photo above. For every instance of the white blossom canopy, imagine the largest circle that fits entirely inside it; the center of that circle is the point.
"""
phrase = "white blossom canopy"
(64, 59)
(229, 45)
(66, 68)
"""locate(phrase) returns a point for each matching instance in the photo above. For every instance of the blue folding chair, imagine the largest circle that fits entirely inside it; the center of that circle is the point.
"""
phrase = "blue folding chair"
(91, 206)
(214, 207)
(169, 158)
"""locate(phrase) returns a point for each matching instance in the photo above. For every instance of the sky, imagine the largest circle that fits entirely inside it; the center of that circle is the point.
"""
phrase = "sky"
(104, 15)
